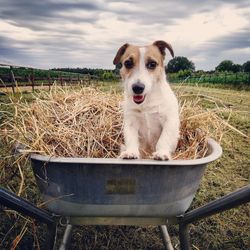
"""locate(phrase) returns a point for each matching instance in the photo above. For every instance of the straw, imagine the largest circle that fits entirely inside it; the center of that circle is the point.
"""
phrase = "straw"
(86, 122)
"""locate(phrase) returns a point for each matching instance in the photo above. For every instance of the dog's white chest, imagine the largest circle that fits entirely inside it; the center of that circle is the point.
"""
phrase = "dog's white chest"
(150, 127)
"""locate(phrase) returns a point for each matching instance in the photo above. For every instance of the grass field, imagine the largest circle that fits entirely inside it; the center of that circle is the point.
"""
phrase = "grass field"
(228, 230)
(224, 78)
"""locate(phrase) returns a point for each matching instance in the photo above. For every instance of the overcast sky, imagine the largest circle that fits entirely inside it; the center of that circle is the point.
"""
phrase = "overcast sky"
(74, 33)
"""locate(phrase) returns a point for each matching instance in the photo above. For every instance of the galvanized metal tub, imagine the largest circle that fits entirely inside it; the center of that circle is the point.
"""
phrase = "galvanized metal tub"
(116, 188)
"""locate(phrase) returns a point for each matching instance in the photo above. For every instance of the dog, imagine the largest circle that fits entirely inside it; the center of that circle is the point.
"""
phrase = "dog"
(150, 108)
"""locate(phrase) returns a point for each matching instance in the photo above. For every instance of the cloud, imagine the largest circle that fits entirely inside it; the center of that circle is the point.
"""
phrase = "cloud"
(64, 33)
(38, 15)
(234, 46)
(236, 40)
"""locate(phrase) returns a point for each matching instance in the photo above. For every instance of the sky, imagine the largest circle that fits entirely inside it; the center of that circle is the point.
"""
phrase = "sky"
(73, 33)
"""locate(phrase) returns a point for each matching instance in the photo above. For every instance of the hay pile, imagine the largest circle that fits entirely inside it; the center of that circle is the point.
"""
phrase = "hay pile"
(88, 123)
(70, 123)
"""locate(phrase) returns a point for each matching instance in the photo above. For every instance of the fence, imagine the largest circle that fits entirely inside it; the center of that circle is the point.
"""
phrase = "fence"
(12, 76)
(214, 78)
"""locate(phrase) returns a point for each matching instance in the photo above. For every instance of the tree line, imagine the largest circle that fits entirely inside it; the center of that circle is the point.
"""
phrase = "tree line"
(103, 74)
(24, 74)
(177, 68)
(182, 63)
(226, 72)
(179, 65)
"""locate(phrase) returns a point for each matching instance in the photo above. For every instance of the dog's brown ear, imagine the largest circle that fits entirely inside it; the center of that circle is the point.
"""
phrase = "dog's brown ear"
(162, 45)
(119, 53)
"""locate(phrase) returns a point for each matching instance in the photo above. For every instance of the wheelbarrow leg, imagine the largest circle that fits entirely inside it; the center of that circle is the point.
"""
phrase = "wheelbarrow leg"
(66, 237)
(51, 236)
(166, 238)
(184, 237)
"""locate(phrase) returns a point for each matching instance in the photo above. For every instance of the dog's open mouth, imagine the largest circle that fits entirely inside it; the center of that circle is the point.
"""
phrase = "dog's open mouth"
(138, 98)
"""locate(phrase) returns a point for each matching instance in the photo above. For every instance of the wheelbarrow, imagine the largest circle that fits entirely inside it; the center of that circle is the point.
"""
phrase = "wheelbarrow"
(98, 191)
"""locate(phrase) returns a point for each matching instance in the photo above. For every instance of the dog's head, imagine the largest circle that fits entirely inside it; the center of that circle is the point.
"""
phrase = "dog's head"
(141, 67)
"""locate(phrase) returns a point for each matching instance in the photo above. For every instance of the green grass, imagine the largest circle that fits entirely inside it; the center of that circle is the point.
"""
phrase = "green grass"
(216, 78)
(230, 86)
(228, 230)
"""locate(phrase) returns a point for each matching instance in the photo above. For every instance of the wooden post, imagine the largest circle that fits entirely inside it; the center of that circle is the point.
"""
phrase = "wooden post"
(29, 80)
(33, 80)
(26, 79)
(13, 80)
(89, 79)
(61, 79)
(49, 79)
(70, 79)
(78, 78)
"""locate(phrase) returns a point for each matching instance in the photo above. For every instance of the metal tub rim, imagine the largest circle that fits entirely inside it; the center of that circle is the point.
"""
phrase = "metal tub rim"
(215, 151)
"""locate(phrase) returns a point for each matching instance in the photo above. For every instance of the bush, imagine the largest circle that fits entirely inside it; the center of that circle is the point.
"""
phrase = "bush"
(108, 76)
(180, 63)
(246, 67)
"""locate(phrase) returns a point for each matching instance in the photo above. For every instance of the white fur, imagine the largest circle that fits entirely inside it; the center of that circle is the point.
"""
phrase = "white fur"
(154, 123)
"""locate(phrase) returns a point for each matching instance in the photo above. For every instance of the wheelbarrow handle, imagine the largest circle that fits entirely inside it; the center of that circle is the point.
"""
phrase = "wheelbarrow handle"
(231, 200)
(23, 206)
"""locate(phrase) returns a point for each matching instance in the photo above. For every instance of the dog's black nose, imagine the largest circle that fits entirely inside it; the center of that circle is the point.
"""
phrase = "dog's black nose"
(138, 88)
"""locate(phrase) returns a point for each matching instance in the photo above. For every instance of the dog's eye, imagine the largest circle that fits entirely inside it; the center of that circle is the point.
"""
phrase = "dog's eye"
(151, 65)
(129, 64)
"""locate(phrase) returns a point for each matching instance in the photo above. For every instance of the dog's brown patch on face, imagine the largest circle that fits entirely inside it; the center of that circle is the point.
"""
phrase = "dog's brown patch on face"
(132, 53)
(152, 54)
(129, 57)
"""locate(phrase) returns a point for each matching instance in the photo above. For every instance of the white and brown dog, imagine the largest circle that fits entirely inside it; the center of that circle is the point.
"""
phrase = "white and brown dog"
(151, 115)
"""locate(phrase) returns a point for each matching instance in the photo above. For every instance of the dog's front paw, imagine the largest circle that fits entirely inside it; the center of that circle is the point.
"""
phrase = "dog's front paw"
(129, 155)
(161, 156)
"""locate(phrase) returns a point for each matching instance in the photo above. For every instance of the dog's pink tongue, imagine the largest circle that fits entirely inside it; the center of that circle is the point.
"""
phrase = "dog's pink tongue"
(138, 98)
